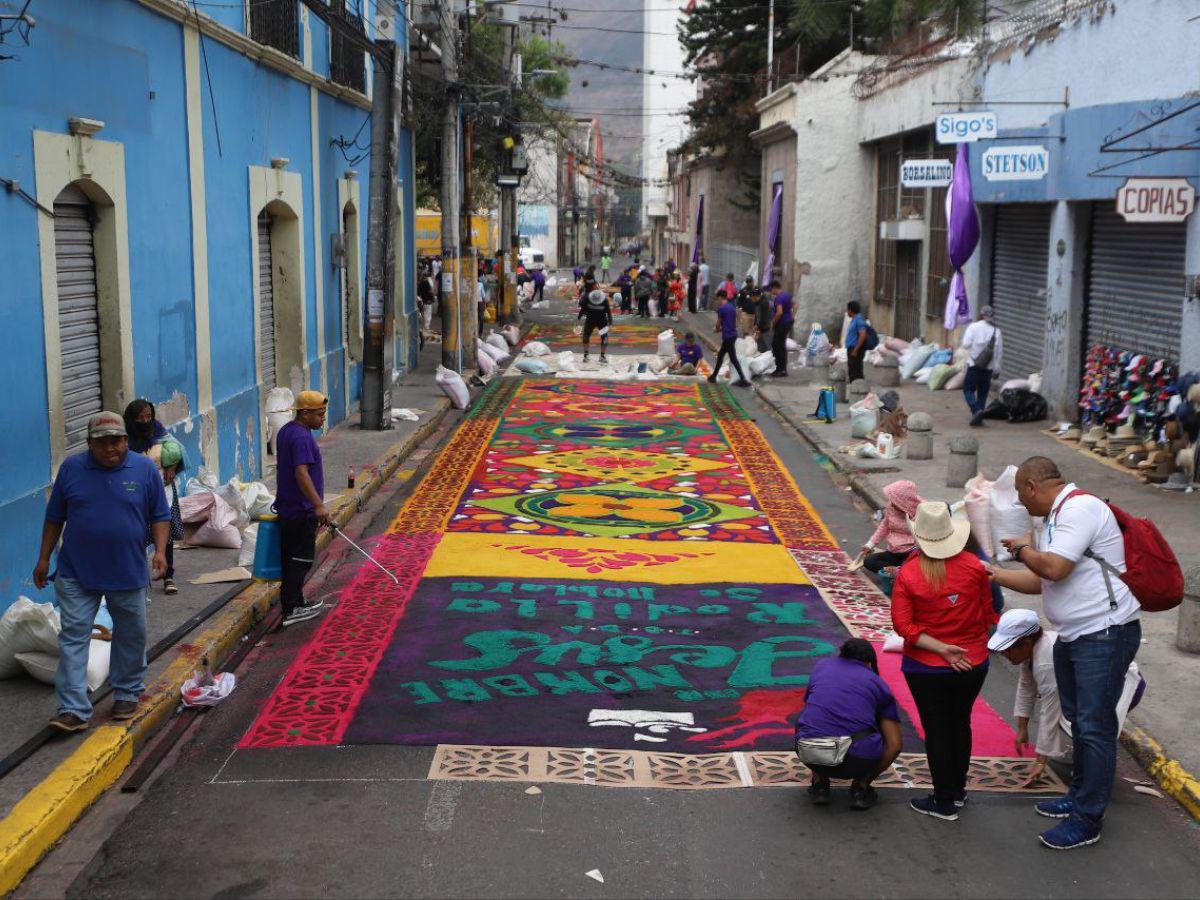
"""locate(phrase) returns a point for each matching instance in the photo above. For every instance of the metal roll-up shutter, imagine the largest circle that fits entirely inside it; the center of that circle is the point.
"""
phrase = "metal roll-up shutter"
(78, 314)
(266, 303)
(1020, 254)
(1135, 283)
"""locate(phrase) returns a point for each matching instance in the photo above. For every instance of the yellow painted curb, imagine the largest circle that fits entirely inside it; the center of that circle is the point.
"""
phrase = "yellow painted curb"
(1173, 778)
(41, 818)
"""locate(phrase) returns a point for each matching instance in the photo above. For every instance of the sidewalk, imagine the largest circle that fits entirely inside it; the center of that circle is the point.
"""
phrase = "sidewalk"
(1171, 706)
(26, 705)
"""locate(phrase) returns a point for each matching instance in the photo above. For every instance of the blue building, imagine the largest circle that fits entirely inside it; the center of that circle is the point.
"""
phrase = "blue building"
(186, 222)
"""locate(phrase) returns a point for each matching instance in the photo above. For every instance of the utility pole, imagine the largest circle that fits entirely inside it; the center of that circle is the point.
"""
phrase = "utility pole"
(508, 306)
(452, 300)
(770, 46)
(388, 71)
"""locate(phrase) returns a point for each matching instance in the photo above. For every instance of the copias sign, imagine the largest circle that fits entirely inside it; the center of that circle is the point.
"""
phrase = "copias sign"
(1156, 199)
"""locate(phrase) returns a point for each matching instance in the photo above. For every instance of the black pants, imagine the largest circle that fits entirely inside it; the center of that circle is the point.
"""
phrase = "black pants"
(643, 306)
(626, 299)
(976, 386)
(727, 349)
(298, 547)
(944, 702)
(691, 300)
(588, 327)
(779, 347)
(876, 562)
(857, 768)
(854, 367)
(170, 573)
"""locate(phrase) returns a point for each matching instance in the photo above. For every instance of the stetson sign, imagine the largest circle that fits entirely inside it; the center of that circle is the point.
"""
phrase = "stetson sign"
(1156, 199)
(1025, 163)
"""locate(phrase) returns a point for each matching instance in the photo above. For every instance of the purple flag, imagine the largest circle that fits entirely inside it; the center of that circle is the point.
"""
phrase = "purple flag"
(764, 277)
(962, 237)
(699, 232)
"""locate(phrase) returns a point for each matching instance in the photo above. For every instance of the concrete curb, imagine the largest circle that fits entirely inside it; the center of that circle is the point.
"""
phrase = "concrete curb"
(1174, 779)
(49, 810)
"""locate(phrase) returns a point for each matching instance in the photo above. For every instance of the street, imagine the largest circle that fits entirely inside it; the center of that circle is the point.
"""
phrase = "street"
(610, 596)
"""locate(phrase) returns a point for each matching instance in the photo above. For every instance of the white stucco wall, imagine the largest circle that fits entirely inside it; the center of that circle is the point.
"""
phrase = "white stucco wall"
(662, 51)
(1120, 52)
(909, 104)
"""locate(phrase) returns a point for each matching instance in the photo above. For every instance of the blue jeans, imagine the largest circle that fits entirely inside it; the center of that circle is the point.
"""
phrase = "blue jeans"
(77, 608)
(975, 388)
(1090, 672)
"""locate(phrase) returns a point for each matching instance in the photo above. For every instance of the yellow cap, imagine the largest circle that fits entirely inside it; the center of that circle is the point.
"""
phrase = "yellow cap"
(311, 400)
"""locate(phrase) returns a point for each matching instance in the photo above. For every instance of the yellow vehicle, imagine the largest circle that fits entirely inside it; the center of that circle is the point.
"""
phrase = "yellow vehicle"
(485, 233)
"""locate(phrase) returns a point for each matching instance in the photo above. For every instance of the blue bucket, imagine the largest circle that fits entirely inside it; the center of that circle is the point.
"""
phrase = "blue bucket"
(268, 556)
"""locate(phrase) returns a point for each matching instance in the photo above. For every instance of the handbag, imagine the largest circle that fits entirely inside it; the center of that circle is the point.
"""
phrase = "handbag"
(827, 751)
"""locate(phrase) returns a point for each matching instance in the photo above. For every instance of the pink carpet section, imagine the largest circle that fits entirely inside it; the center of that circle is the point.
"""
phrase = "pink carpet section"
(991, 734)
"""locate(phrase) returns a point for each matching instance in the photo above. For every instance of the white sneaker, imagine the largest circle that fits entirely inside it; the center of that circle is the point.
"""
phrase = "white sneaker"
(303, 613)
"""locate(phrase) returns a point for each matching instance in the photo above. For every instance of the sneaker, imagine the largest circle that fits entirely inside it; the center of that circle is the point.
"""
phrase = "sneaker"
(169, 586)
(929, 806)
(712, 379)
(585, 357)
(1069, 834)
(1058, 808)
(977, 420)
(742, 383)
(960, 799)
(124, 709)
(603, 360)
(862, 798)
(68, 723)
(302, 614)
(819, 793)
(778, 374)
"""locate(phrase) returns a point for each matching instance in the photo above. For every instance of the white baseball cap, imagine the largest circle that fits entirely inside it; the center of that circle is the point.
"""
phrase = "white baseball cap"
(1014, 625)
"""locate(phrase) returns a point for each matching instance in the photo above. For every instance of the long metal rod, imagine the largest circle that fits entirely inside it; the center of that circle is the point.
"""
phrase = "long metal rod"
(346, 538)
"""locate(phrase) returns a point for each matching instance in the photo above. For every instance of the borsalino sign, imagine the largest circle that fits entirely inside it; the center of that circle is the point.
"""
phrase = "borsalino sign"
(1156, 199)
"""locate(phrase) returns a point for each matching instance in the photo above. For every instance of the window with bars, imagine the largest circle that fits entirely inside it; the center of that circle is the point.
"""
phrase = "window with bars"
(276, 23)
(886, 200)
(347, 62)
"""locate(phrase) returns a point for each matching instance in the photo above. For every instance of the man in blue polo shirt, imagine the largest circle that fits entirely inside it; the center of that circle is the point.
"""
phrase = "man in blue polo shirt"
(106, 498)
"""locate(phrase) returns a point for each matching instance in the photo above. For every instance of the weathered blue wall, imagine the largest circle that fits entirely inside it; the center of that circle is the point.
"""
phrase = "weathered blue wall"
(123, 63)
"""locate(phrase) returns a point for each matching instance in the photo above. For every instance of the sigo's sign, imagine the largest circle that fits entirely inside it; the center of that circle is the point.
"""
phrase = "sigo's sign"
(965, 127)
(1156, 199)
(926, 173)
(1015, 163)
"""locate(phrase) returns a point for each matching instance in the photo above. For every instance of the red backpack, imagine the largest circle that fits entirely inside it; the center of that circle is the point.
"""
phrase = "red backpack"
(1152, 573)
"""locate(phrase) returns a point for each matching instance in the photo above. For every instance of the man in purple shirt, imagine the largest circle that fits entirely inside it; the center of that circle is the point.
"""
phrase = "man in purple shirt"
(687, 356)
(727, 327)
(847, 698)
(782, 318)
(299, 501)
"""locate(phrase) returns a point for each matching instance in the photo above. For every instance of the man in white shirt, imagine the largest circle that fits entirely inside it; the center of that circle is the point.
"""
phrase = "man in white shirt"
(984, 345)
(1020, 638)
(702, 283)
(1096, 618)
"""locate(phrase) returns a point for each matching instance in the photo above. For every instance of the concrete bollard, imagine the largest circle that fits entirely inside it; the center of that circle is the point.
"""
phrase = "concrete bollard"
(919, 444)
(858, 390)
(963, 463)
(885, 373)
(1187, 632)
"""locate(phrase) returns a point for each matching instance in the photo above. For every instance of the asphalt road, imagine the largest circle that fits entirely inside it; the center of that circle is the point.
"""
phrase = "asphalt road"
(363, 821)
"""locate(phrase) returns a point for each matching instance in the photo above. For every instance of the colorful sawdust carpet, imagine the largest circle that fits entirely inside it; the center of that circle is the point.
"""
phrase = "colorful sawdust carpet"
(625, 336)
(588, 564)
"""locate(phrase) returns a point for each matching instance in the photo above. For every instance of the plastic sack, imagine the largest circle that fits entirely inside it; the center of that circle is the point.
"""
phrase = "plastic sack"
(26, 627)
(279, 404)
(511, 335)
(893, 643)
(257, 499)
(536, 348)
(817, 345)
(922, 377)
(44, 666)
(762, 363)
(193, 693)
(940, 375)
(566, 361)
(956, 381)
(653, 304)
(746, 348)
(864, 416)
(897, 345)
(915, 360)
(532, 366)
(232, 493)
(1035, 382)
(1009, 519)
(203, 481)
(791, 345)
(978, 505)
(487, 365)
(940, 357)
(666, 342)
(453, 386)
(1015, 384)
(499, 355)
(219, 529)
(498, 341)
(249, 543)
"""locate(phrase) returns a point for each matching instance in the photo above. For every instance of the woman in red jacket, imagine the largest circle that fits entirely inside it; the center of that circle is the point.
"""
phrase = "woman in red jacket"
(942, 608)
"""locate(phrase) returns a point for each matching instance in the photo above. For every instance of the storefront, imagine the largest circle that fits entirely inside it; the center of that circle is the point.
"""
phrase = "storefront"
(1020, 254)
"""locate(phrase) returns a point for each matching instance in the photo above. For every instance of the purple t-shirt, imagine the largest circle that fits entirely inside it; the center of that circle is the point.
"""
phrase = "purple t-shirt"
(689, 354)
(296, 446)
(843, 698)
(727, 314)
(783, 300)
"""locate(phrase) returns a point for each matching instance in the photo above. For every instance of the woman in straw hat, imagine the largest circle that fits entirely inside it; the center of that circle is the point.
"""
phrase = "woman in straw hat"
(942, 608)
